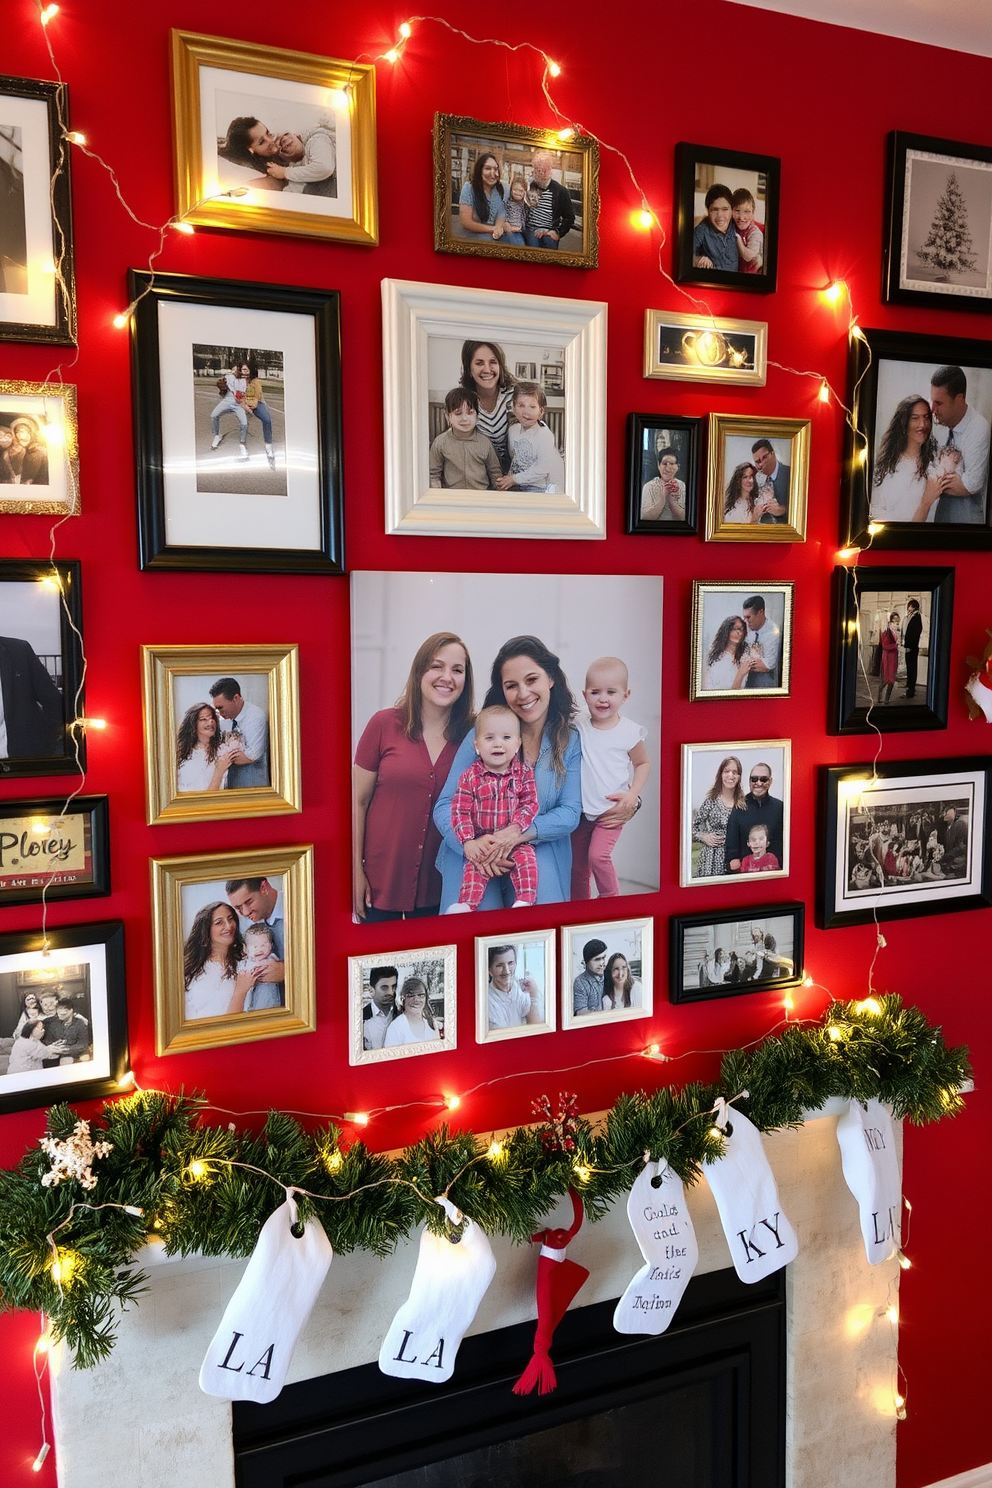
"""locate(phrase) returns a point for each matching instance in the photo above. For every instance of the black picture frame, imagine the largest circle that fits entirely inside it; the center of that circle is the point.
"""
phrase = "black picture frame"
(92, 839)
(862, 806)
(106, 1003)
(916, 164)
(644, 430)
(61, 745)
(853, 669)
(158, 502)
(738, 168)
(56, 324)
(687, 933)
(874, 357)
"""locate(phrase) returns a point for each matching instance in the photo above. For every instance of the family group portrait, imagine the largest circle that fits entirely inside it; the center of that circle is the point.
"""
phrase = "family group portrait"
(738, 954)
(512, 191)
(896, 844)
(222, 738)
(509, 758)
(742, 640)
(895, 647)
(233, 951)
(735, 817)
(402, 1003)
(727, 214)
(46, 1018)
(606, 972)
(240, 420)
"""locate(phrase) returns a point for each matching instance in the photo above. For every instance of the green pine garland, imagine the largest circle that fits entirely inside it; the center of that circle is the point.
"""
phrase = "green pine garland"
(366, 1201)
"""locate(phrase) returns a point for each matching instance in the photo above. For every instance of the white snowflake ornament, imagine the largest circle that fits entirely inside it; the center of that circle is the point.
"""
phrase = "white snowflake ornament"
(73, 1157)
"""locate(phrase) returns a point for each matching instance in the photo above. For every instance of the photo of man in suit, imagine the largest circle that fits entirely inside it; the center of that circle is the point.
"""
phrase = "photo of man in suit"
(775, 474)
(31, 707)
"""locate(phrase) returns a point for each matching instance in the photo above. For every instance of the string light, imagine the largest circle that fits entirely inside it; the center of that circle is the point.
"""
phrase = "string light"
(120, 321)
(75, 138)
(787, 1002)
(89, 723)
(392, 55)
(452, 1102)
(869, 1005)
(834, 291)
(553, 68)
(197, 1169)
(340, 97)
(496, 1150)
(48, 14)
(406, 30)
(357, 1118)
(857, 332)
(64, 1266)
(39, 1461)
(834, 1034)
(566, 134)
(903, 1260)
(333, 1161)
(182, 227)
(582, 1171)
(824, 391)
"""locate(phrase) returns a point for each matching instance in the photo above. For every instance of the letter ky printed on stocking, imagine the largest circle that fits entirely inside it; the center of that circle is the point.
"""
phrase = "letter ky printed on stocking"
(760, 1237)
(662, 1228)
(871, 1171)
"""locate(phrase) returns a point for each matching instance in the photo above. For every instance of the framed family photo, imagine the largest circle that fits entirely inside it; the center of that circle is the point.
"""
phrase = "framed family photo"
(735, 811)
(473, 449)
(757, 478)
(39, 449)
(705, 348)
(741, 640)
(735, 952)
(528, 656)
(903, 839)
(917, 447)
(63, 1015)
(506, 191)
(938, 250)
(222, 731)
(514, 986)
(402, 1003)
(41, 667)
(237, 420)
(607, 972)
(53, 849)
(268, 140)
(726, 223)
(662, 474)
(37, 278)
(892, 638)
(233, 948)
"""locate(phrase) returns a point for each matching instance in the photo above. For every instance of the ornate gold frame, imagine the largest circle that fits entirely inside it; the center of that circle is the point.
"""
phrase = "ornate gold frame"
(190, 52)
(174, 1033)
(755, 426)
(68, 450)
(283, 796)
(709, 356)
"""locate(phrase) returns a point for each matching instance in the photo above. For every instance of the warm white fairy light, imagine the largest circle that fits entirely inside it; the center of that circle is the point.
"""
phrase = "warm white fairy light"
(75, 138)
(452, 1102)
(406, 30)
(48, 14)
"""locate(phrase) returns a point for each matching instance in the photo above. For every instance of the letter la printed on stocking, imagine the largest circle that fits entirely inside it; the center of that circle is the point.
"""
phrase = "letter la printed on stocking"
(252, 1349)
(870, 1162)
(660, 1222)
(449, 1283)
(760, 1237)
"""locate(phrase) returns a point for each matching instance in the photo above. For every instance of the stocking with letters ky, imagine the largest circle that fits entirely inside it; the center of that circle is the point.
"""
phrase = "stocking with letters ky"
(760, 1237)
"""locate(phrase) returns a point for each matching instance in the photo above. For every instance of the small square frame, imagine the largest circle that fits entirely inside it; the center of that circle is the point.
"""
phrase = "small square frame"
(705, 348)
(921, 155)
(779, 613)
(644, 430)
(685, 932)
(541, 946)
(51, 407)
(444, 960)
(733, 163)
(77, 869)
(752, 427)
(613, 932)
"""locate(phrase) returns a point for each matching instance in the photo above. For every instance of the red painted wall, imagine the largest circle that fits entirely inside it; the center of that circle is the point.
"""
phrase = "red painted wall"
(822, 98)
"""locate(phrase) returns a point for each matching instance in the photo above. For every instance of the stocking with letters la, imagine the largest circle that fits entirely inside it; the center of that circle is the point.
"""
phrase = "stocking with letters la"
(870, 1163)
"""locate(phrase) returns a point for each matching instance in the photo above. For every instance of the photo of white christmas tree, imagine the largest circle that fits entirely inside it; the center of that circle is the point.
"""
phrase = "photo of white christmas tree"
(948, 247)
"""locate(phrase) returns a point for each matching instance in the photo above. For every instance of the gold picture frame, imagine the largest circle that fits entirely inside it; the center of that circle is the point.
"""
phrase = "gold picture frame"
(46, 412)
(733, 442)
(178, 679)
(705, 348)
(334, 99)
(182, 889)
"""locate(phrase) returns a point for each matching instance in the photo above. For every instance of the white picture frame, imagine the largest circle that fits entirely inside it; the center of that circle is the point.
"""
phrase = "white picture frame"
(535, 958)
(438, 965)
(631, 939)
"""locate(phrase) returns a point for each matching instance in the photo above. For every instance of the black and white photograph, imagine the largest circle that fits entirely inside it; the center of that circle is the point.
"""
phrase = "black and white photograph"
(274, 141)
(507, 191)
(741, 640)
(232, 715)
(892, 634)
(233, 939)
(473, 448)
(726, 218)
(63, 1018)
(607, 972)
(705, 348)
(514, 986)
(552, 681)
(662, 474)
(734, 952)
(939, 240)
(918, 455)
(735, 811)
(40, 668)
(53, 849)
(238, 444)
(757, 476)
(37, 284)
(402, 1003)
(902, 839)
(39, 459)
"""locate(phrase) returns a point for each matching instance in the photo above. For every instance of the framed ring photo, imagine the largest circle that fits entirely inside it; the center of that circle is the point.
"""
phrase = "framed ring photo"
(230, 719)
(903, 839)
(39, 449)
(233, 947)
(757, 476)
(727, 218)
(735, 952)
(54, 849)
(273, 141)
(662, 474)
(892, 649)
(735, 811)
(37, 279)
(402, 1003)
(607, 972)
(938, 249)
(237, 418)
(506, 191)
(916, 460)
(63, 1015)
(514, 986)
(41, 667)
(475, 449)
(705, 348)
(741, 640)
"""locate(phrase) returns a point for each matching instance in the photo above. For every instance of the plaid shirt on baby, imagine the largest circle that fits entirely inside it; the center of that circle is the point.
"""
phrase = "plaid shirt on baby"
(486, 802)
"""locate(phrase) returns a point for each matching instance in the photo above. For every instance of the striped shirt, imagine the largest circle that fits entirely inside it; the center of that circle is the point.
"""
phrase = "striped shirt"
(541, 213)
(494, 425)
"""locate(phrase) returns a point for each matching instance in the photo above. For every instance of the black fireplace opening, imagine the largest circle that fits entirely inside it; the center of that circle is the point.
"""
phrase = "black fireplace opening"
(700, 1406)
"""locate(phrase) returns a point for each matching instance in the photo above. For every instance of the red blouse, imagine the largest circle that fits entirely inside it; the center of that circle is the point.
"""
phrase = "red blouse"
(401, 840)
